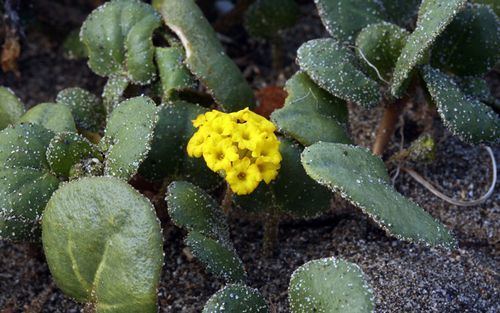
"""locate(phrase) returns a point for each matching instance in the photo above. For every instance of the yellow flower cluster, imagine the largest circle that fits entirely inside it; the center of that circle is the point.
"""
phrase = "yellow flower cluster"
(241, 146)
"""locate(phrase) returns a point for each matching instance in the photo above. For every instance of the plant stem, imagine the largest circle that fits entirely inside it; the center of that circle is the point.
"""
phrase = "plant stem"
(271, 232)
(228, 200)
(387, 125)
(113, 91)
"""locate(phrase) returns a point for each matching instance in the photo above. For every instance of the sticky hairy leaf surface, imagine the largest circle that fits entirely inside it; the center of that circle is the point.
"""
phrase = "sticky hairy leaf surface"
(86, 108)
(329, 285)
(434, 16)
(11, 108)
(494, 4)
(236, 298)
(344, 18)
(293, 192)
(334, 68)
(468, 118)
(66, 150)
(190, 207)
(311, 114)
(381, 45)
(205, 56)
(361, 178)
(218, 257)
(26, 183)
(118, 37)
(401, 12)
(470, 45)
(174, 75)
(53, 116)
(168, 156)
(128, 136)
(103, 244)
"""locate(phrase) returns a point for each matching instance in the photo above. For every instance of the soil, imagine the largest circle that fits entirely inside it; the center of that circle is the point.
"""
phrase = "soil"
(405, 277)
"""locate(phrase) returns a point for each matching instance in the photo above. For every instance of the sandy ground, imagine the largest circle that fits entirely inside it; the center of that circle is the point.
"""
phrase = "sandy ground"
(405, 277)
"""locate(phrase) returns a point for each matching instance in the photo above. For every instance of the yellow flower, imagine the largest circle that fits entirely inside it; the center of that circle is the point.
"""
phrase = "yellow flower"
(241, 146)
(219, 155)
(243, 177)
(268, 170)
(195, 145)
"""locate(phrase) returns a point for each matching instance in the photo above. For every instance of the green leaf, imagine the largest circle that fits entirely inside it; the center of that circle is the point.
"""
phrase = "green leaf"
(333, 68)
(476, 87)
(174, 75)
(168, 156)
(73, 48)
(103, 244)
(53, 116)
(205, 56)
(344, 18)
(434, 16)
(469, 119)
(311, 114)
(11, 108)
(265, 18)
(128, 136)
(361, 178)
(381, 44)
(67, 149)
(494, 4)
(219, 257)
(118, 37)
(26, 183)
(292, 192)
(329, 285)
(401, 12)
(236, 298)
(86, 108)
(470, 45)
(191, 208)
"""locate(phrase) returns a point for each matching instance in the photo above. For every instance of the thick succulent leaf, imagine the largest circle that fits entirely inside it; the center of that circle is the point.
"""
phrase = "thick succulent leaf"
(190, 207)
(73, 48)
(380, 44)
(205, 56)
(292, 192)
(401, 12)
(168, 155)
(333, 67)
(265, 18)
(174, 75)
(360, 177)
(128, 136)
(476, 87)
(236, 298)
(118, 37)
(218, 257)
(53, 116)
(468, 118)
(434, 16)
(344, 18)
(26, 183)
(494, 4)
(68, 149)
(329, 285)
(11, 108)
(470, 45)
(103, 244)
(86, 108)
(311, 114)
